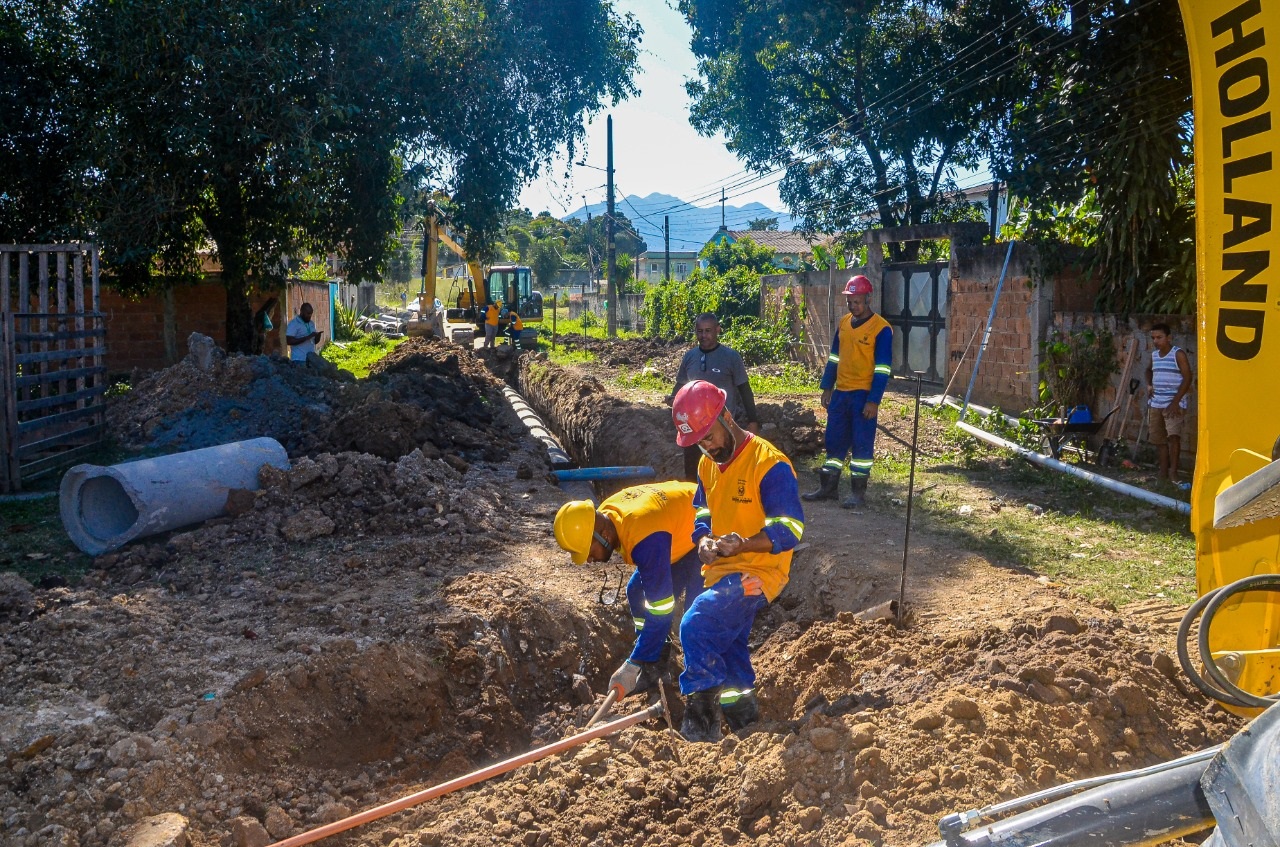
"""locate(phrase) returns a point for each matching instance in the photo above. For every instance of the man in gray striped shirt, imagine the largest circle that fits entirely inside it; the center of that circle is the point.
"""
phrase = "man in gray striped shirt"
(1168, 381)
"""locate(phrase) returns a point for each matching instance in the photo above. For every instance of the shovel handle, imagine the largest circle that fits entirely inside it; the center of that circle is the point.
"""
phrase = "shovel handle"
(609, 700)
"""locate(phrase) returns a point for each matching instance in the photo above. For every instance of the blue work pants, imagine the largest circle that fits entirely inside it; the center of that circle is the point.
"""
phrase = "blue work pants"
(847, 429)
(652, 630)
(714, 633)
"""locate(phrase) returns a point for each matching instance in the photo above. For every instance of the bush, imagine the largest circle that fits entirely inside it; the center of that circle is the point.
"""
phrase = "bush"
(758, 342)
(346, 323)
(1075, 366)
(588, 320)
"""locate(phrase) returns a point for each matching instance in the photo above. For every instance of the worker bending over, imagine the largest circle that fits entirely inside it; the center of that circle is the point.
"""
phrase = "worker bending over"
(652, 527)
(748, 520)
(853, 384)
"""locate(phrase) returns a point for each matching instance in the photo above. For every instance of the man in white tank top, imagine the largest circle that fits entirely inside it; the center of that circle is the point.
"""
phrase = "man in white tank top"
(1168, 381)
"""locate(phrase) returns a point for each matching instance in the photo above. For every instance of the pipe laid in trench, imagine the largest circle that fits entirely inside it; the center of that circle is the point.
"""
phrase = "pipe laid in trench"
(104, 508)
(625, 472)
(1097, 479)
(536, 427)
(471, 778)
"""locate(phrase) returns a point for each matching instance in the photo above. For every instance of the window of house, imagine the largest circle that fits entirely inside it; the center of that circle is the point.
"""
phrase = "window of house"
(654, 267)
(682, 268)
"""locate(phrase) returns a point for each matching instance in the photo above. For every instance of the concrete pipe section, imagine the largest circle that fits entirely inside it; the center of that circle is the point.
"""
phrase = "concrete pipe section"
(104, 508)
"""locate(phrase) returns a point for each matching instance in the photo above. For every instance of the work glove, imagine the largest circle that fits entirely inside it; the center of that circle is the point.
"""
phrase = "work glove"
(625, 678)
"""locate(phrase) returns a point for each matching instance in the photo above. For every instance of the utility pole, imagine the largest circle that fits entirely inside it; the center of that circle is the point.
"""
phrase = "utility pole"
(591, 253)
(993, 201)
(666, 243)
(611, 254)
(722, 226)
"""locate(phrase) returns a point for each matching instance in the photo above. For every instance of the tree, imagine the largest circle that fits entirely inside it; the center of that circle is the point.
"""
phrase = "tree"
(268, 128)
(763, 225)
(861, 104)
(722, 255)
(1106, 122)
(40, 154)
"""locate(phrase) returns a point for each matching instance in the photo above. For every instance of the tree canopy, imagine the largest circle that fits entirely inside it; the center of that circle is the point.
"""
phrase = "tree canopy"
(272, 128)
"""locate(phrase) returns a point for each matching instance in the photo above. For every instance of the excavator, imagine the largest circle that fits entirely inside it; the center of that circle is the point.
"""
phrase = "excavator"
(461, 315)
(1233, 789)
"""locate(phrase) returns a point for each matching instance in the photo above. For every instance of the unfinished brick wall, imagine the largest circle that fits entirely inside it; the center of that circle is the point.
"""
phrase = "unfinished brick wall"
(1007, 374)
(151, 332)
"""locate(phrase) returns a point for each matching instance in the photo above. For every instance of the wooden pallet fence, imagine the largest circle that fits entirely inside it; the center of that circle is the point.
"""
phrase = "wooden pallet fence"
(52, 344)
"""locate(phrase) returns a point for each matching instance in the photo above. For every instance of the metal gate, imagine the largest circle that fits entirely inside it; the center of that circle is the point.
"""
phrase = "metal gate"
(914, 301)
(52, 340)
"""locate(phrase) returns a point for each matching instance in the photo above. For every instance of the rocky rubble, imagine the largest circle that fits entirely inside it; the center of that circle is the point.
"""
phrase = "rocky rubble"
(425, 395)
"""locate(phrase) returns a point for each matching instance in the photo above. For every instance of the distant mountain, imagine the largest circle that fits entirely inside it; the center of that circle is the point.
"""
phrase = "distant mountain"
(691, 226)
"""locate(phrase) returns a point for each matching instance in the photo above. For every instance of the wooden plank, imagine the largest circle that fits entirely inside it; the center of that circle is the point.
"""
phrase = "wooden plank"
(100, 321)
(35, 379)
(51, 336)
(42, 297)
(45, 248)
(37, 468)
(55, 317)
(9, 449)
(24, 305)
(61, 343)
(53, 441)
(5, 293)
(40, 425)
(77, 272)
(61, 399)
(54, 356)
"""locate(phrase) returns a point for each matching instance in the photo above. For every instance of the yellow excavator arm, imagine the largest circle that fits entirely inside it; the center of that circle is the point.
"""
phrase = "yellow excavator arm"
(1234, 48)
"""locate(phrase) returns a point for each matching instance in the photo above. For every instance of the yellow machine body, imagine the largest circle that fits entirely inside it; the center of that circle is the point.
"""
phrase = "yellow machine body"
(1235, 56)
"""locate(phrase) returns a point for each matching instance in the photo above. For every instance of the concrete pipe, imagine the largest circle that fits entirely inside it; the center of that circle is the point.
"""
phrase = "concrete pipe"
(104, 508)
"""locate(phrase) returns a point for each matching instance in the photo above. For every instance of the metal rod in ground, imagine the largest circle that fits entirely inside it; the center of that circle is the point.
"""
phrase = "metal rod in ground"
(911, 491)
(469, 779)
(609, 700)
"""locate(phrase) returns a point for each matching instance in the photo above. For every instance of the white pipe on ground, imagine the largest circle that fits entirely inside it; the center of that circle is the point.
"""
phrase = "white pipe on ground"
(104, 508)
(1097, 479)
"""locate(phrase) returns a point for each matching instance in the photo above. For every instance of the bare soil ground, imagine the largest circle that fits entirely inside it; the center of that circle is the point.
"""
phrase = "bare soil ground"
(379, 620)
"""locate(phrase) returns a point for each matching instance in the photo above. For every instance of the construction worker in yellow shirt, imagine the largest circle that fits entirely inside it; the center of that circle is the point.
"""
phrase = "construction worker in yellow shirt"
(748, 520)
(651, 526)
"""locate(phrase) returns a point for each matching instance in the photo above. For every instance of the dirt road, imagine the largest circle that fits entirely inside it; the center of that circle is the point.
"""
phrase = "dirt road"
(257, 680)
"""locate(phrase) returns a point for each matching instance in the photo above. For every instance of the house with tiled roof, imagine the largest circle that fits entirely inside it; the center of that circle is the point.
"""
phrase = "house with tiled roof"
(791, 247)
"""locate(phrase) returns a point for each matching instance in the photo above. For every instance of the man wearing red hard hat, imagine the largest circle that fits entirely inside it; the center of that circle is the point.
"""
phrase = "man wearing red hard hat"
(853, 384)
(748, 518)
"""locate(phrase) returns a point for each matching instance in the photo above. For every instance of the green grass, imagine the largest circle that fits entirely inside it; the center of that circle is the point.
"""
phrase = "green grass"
(641, 381)
(1101, 545)
(565, 326)
(34, 544)
(563, 356)
(794, 379)
(359, 355)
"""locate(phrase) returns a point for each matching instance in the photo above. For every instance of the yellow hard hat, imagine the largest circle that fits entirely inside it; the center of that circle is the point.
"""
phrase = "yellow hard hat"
(575, 525)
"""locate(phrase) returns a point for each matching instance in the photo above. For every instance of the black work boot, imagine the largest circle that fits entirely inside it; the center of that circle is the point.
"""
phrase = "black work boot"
(857, 493)
(828, 486)
(742, 712)
(702, 716)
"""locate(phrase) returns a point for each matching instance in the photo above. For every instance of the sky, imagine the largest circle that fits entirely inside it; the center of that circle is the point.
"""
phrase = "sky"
(654, 147)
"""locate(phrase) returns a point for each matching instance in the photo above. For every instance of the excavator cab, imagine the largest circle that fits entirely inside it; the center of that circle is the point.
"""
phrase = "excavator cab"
(513, 285)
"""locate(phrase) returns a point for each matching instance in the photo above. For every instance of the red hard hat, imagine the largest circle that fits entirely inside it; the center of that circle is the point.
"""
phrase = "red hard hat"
(695, 409)
(858, 285)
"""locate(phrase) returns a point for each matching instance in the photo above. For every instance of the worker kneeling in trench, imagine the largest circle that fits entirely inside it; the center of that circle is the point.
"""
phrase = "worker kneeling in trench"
(652, 527)
(747, 520)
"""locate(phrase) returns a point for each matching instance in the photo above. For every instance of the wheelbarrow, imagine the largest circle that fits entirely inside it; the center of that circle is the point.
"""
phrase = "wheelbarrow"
(1076, 428)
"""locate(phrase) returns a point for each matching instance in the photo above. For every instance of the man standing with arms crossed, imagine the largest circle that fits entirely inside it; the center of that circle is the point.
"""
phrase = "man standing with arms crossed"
(1168, 381)
(722, 367)
(853, 384)
(491, 325)
(652, 527)
(748, 520)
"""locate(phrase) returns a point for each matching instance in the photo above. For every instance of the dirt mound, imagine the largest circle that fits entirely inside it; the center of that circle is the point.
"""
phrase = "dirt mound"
(425, 395)
(870, 734)
(633, 353)
(600, 430)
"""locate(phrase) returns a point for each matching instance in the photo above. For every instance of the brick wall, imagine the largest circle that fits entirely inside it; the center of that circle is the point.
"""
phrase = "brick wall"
(150, 333)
